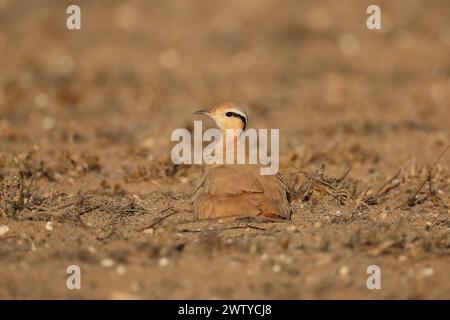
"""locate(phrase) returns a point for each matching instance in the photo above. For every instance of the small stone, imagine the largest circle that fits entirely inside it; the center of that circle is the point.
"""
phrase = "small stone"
(149, 231)
(317, 225)
(253, 248)
(264, 257)
(163, 262)
(48, 123)
(184, 180)
(49, 226)
(57, 176)
(41, 100)
(148, 143)
(276, 268)
(107, 263)
(281, 257)
(427, 272)
(291, 228)
(343, 271)
(288, 260)
(3, 230)
(121, 270)
(92, 249)
(402, 258)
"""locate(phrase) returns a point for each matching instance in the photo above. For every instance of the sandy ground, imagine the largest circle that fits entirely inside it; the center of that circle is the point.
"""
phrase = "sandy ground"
(85, 171)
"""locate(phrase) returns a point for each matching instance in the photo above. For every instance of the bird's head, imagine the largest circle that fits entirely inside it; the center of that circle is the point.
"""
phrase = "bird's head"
(227, 115)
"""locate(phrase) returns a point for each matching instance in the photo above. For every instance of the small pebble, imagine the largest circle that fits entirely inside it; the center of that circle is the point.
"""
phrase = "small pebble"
(149, 231)
(281, 257)
(343, 271)
(121, 270)
(107, 263)
(402, 258)
(276, 268)
(48, 123)
(41, 100)
(148, 142)
(3, 230)
(163, 262)
(253, 248)
(286, 259)
(291, 228)
(184, 180)
(49, 226)
(427, 272)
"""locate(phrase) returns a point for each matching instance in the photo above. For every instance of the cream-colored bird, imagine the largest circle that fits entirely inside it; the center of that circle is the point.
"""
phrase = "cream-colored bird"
(238, 190)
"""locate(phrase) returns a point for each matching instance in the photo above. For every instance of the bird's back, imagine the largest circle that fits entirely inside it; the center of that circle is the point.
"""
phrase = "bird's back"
(239, 191)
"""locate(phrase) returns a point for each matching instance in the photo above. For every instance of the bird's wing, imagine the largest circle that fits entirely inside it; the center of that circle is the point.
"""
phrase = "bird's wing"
(277, 192)
(229, 190)
(226, 191)
(231, 180)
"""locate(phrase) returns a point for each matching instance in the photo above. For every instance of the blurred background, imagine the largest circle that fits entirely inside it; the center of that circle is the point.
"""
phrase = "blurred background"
(311, 68)
(93, 109)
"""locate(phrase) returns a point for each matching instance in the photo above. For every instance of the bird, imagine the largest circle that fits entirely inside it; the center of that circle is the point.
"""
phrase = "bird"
(233, 191)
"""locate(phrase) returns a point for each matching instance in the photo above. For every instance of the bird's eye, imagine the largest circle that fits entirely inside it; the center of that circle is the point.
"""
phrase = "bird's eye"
(229, 114)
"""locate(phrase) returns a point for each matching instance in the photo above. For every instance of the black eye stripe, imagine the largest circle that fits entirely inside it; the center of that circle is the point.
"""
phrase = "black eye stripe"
(234, 114)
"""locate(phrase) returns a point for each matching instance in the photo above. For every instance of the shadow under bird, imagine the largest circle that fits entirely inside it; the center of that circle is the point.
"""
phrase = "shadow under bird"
(238, 190)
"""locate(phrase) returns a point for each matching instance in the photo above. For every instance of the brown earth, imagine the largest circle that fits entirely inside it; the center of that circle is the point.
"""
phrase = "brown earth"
(85, 171)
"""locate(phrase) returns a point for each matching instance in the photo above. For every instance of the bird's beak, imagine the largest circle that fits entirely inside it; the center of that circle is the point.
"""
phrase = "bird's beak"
(201, 112)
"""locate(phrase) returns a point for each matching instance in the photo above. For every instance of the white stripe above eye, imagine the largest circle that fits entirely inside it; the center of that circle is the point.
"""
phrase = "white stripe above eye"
(242, 115)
